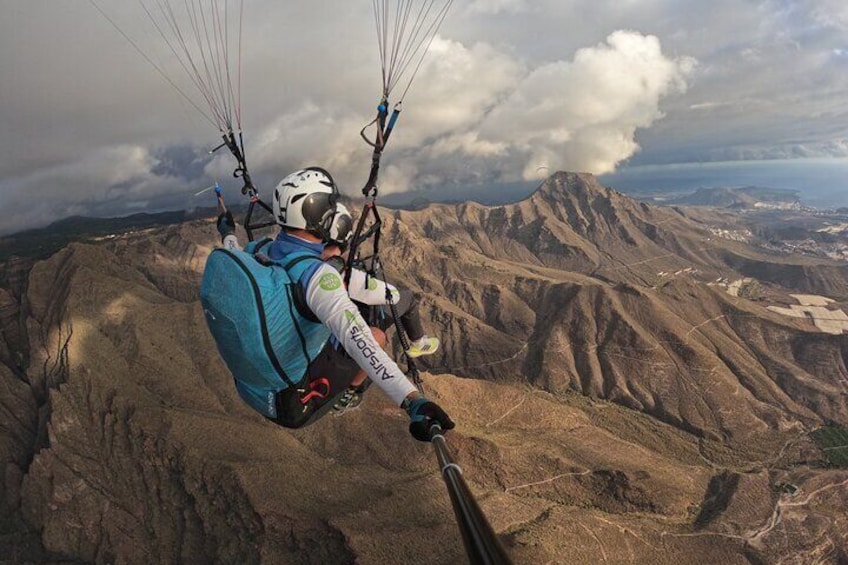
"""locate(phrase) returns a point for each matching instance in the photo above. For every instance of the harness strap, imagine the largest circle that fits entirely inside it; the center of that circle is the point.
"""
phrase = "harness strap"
(313, 393)
(295, 291)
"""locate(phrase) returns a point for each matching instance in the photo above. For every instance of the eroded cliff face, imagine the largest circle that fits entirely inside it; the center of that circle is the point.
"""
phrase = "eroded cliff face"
(635, 418)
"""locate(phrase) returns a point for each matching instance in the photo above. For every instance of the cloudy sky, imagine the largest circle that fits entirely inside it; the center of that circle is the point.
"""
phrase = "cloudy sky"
(511, 90)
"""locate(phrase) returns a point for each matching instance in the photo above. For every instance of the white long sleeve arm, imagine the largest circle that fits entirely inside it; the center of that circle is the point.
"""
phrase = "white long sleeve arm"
(328, 300)
(369, 290)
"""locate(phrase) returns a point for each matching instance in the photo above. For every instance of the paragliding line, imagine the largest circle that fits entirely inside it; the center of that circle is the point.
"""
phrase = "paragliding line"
(201, 46)
(408, 39)
(249, 189)
(152, 64)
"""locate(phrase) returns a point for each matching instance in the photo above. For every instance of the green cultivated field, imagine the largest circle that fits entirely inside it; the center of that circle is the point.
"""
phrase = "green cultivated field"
(833, 440)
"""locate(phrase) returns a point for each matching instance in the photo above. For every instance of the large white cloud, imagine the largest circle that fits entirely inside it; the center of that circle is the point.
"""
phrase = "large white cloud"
(453, 92)
(826, 12)
(483, 115)
(480, 113)
(456, 87)
(583, 114)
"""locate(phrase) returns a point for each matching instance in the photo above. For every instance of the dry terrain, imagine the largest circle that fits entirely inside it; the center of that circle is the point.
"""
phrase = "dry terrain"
(612, 405)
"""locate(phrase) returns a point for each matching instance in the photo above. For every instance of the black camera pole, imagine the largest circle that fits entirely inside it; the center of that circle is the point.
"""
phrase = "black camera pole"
(481, 543)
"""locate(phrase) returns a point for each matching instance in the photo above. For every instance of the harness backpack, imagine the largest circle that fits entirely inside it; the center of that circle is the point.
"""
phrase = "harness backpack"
(264, 332)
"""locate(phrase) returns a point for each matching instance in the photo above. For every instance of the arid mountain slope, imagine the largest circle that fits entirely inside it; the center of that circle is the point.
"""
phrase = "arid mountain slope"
(122, 439)
(148, 455)
(581, 288)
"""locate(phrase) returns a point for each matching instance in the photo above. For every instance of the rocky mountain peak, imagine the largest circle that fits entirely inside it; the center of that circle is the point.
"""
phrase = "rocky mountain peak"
(565, 182)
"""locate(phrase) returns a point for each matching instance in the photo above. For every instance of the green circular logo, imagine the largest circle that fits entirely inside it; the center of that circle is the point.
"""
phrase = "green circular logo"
(330, 281)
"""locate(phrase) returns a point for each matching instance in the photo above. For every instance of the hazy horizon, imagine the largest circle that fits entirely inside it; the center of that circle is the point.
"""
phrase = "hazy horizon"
(821, 183)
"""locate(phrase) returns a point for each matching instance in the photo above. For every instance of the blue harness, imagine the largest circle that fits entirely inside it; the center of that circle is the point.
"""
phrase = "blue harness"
(256, 313)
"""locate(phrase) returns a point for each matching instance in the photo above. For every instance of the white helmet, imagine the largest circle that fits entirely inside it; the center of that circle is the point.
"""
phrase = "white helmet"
(306, 200)
(341, 231)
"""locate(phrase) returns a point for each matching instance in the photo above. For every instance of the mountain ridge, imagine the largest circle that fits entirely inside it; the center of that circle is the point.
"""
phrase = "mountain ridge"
(634, 415)
(587, 273)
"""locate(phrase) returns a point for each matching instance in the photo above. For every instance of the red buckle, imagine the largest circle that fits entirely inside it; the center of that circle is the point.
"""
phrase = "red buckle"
(314, 393)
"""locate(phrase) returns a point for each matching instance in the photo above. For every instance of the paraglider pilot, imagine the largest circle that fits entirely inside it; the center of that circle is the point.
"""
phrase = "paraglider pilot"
(301, 303)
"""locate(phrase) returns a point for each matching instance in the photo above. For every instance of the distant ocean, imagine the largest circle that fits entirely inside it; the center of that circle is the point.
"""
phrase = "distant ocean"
(821, 183)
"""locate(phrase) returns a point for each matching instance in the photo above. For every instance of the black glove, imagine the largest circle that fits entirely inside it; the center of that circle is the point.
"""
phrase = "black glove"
(226, 224)
(423, 413)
